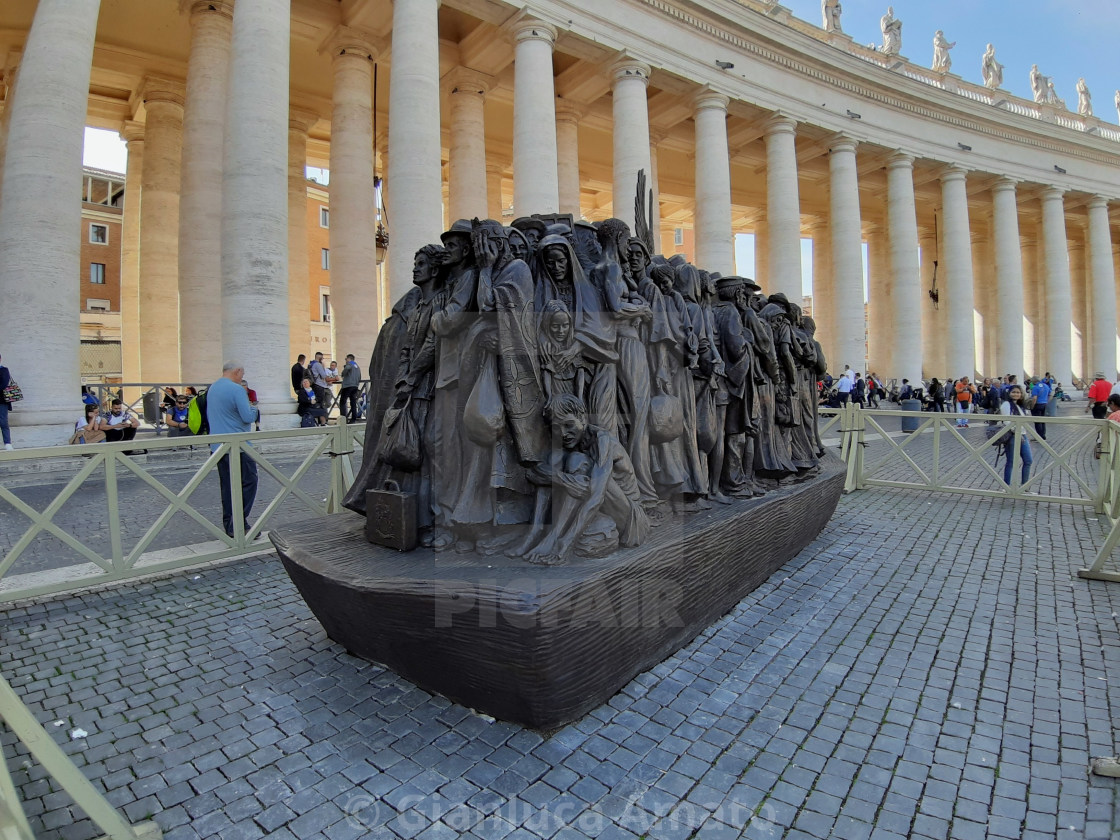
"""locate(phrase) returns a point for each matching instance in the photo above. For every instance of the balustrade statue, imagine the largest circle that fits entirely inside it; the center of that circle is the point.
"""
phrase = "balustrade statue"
(830, 13)
(941, 46)
(990, 69)
(892, 33)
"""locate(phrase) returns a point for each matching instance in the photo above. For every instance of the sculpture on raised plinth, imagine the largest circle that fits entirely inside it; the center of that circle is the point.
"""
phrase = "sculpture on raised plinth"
(1052, 97)
(541, 410)
(1084, 99)
(892, 33)
(941, 46)
(830, 14)
(990, 69)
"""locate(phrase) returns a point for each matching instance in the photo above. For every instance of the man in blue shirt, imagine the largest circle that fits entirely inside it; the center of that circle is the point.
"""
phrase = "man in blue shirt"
(228, 412)
(1041, 393)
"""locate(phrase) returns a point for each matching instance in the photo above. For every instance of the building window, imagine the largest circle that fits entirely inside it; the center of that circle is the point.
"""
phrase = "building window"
(678, 236)
(97, 273)
(99, 234)
(97, 304)
(325, 259)
(325, 307)
(324, 217)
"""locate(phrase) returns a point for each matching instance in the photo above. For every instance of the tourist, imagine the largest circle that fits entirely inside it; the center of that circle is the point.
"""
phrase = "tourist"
(228, 412)
(175, 416)
(963, 392)
(348, 394)
(1098, 396)
(1040, 393)
(5, 406)
(1013, 407)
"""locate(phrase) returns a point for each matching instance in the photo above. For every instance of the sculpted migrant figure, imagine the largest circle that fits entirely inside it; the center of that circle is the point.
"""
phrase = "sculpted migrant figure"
(545, 390)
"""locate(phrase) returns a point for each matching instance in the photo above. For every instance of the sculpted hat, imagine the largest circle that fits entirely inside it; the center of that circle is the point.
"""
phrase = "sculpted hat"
(730, 282)
(462, 227)
(528, 223)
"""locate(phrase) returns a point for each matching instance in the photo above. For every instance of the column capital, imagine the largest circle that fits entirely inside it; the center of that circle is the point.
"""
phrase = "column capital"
(347, 41)
(533, 29)
(1052, 193)
(1098, 202)
(628, 67)
(706, 98)
(779, 123)
(1004, 183)
(462, 79)
(161, 89)
(899, 159)
(568, 111)
(842, 143)
(301, 120)
(221, 8)
(953, 172)
(131, 131)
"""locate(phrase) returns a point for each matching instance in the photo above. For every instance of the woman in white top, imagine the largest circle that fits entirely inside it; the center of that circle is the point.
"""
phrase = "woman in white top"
(1013, 406)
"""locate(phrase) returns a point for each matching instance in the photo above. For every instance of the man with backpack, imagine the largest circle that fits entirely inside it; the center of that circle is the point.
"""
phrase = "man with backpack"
(228, 412)
(963, 392)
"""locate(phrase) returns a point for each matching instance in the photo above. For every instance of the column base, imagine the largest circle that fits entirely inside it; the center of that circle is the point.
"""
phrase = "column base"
(42, 427)
(278, 416)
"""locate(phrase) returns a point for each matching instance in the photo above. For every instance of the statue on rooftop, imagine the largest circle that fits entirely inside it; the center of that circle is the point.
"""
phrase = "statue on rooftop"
(830, 12)
(1038, 84)
(941, 46)
(990, 69)
(1052, 97)
(892, 33)
(1116, 102)
(1084, 99)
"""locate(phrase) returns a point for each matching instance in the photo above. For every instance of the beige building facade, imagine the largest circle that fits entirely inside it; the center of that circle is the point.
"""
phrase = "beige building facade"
(746, 120)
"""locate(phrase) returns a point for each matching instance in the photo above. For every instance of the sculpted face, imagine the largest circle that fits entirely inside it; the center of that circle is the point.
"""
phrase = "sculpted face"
(560, 328)
(457, 249)
(534, 236)
(571, 431)
(556, 263)
(518, 248)
(636, 258)
(422, 269)
(664, 282)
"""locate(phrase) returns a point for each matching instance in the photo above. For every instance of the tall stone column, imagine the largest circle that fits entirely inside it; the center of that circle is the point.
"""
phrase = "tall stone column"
(466, 93)
(535, 179)
(200, 217)
(255, 206)
(39, 214)
(1056, 282)
(11, 71)
(299, 270)
(414, 167)
(133, 135)
(783, 206)
(1033, 331)
(1079, 305)
(906, 282)
(985, 325)
(1102, 355)
(1009, 277)
(933, 342)
(159, 231)
(567, 156)
(655, 138)
(960, 356)
(715, 245)
(631, 135)
(353, 230)
(762, 255)
(880, 344)
(849, 321)
(494, 200)
(824, 298)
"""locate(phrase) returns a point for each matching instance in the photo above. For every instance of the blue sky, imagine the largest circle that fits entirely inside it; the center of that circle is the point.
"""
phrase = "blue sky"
(1065, 39)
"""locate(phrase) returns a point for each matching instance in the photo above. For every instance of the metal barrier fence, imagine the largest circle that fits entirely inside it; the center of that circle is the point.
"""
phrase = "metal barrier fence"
(935, 456)
(96, 538)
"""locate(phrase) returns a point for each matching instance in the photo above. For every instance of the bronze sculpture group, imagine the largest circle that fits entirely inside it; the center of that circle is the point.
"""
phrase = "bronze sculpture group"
(551, 389)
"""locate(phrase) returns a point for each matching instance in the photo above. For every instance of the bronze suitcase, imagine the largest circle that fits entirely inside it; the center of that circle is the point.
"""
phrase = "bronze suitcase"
(391, 517)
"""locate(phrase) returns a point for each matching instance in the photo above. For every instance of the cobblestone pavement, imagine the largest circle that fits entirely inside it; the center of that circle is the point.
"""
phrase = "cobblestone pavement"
(929, 667)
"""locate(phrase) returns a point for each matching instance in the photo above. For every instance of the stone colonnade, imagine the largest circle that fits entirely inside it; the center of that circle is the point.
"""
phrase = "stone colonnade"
(243, 268)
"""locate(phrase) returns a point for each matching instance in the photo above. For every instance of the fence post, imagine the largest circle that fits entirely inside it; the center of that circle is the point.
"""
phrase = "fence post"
(340, 466)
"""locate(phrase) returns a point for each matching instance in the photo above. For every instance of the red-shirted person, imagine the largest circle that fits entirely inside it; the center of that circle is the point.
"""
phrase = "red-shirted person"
(1098, 396)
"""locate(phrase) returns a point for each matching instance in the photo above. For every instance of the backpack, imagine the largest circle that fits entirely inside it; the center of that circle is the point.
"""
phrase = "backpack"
(197, 421)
